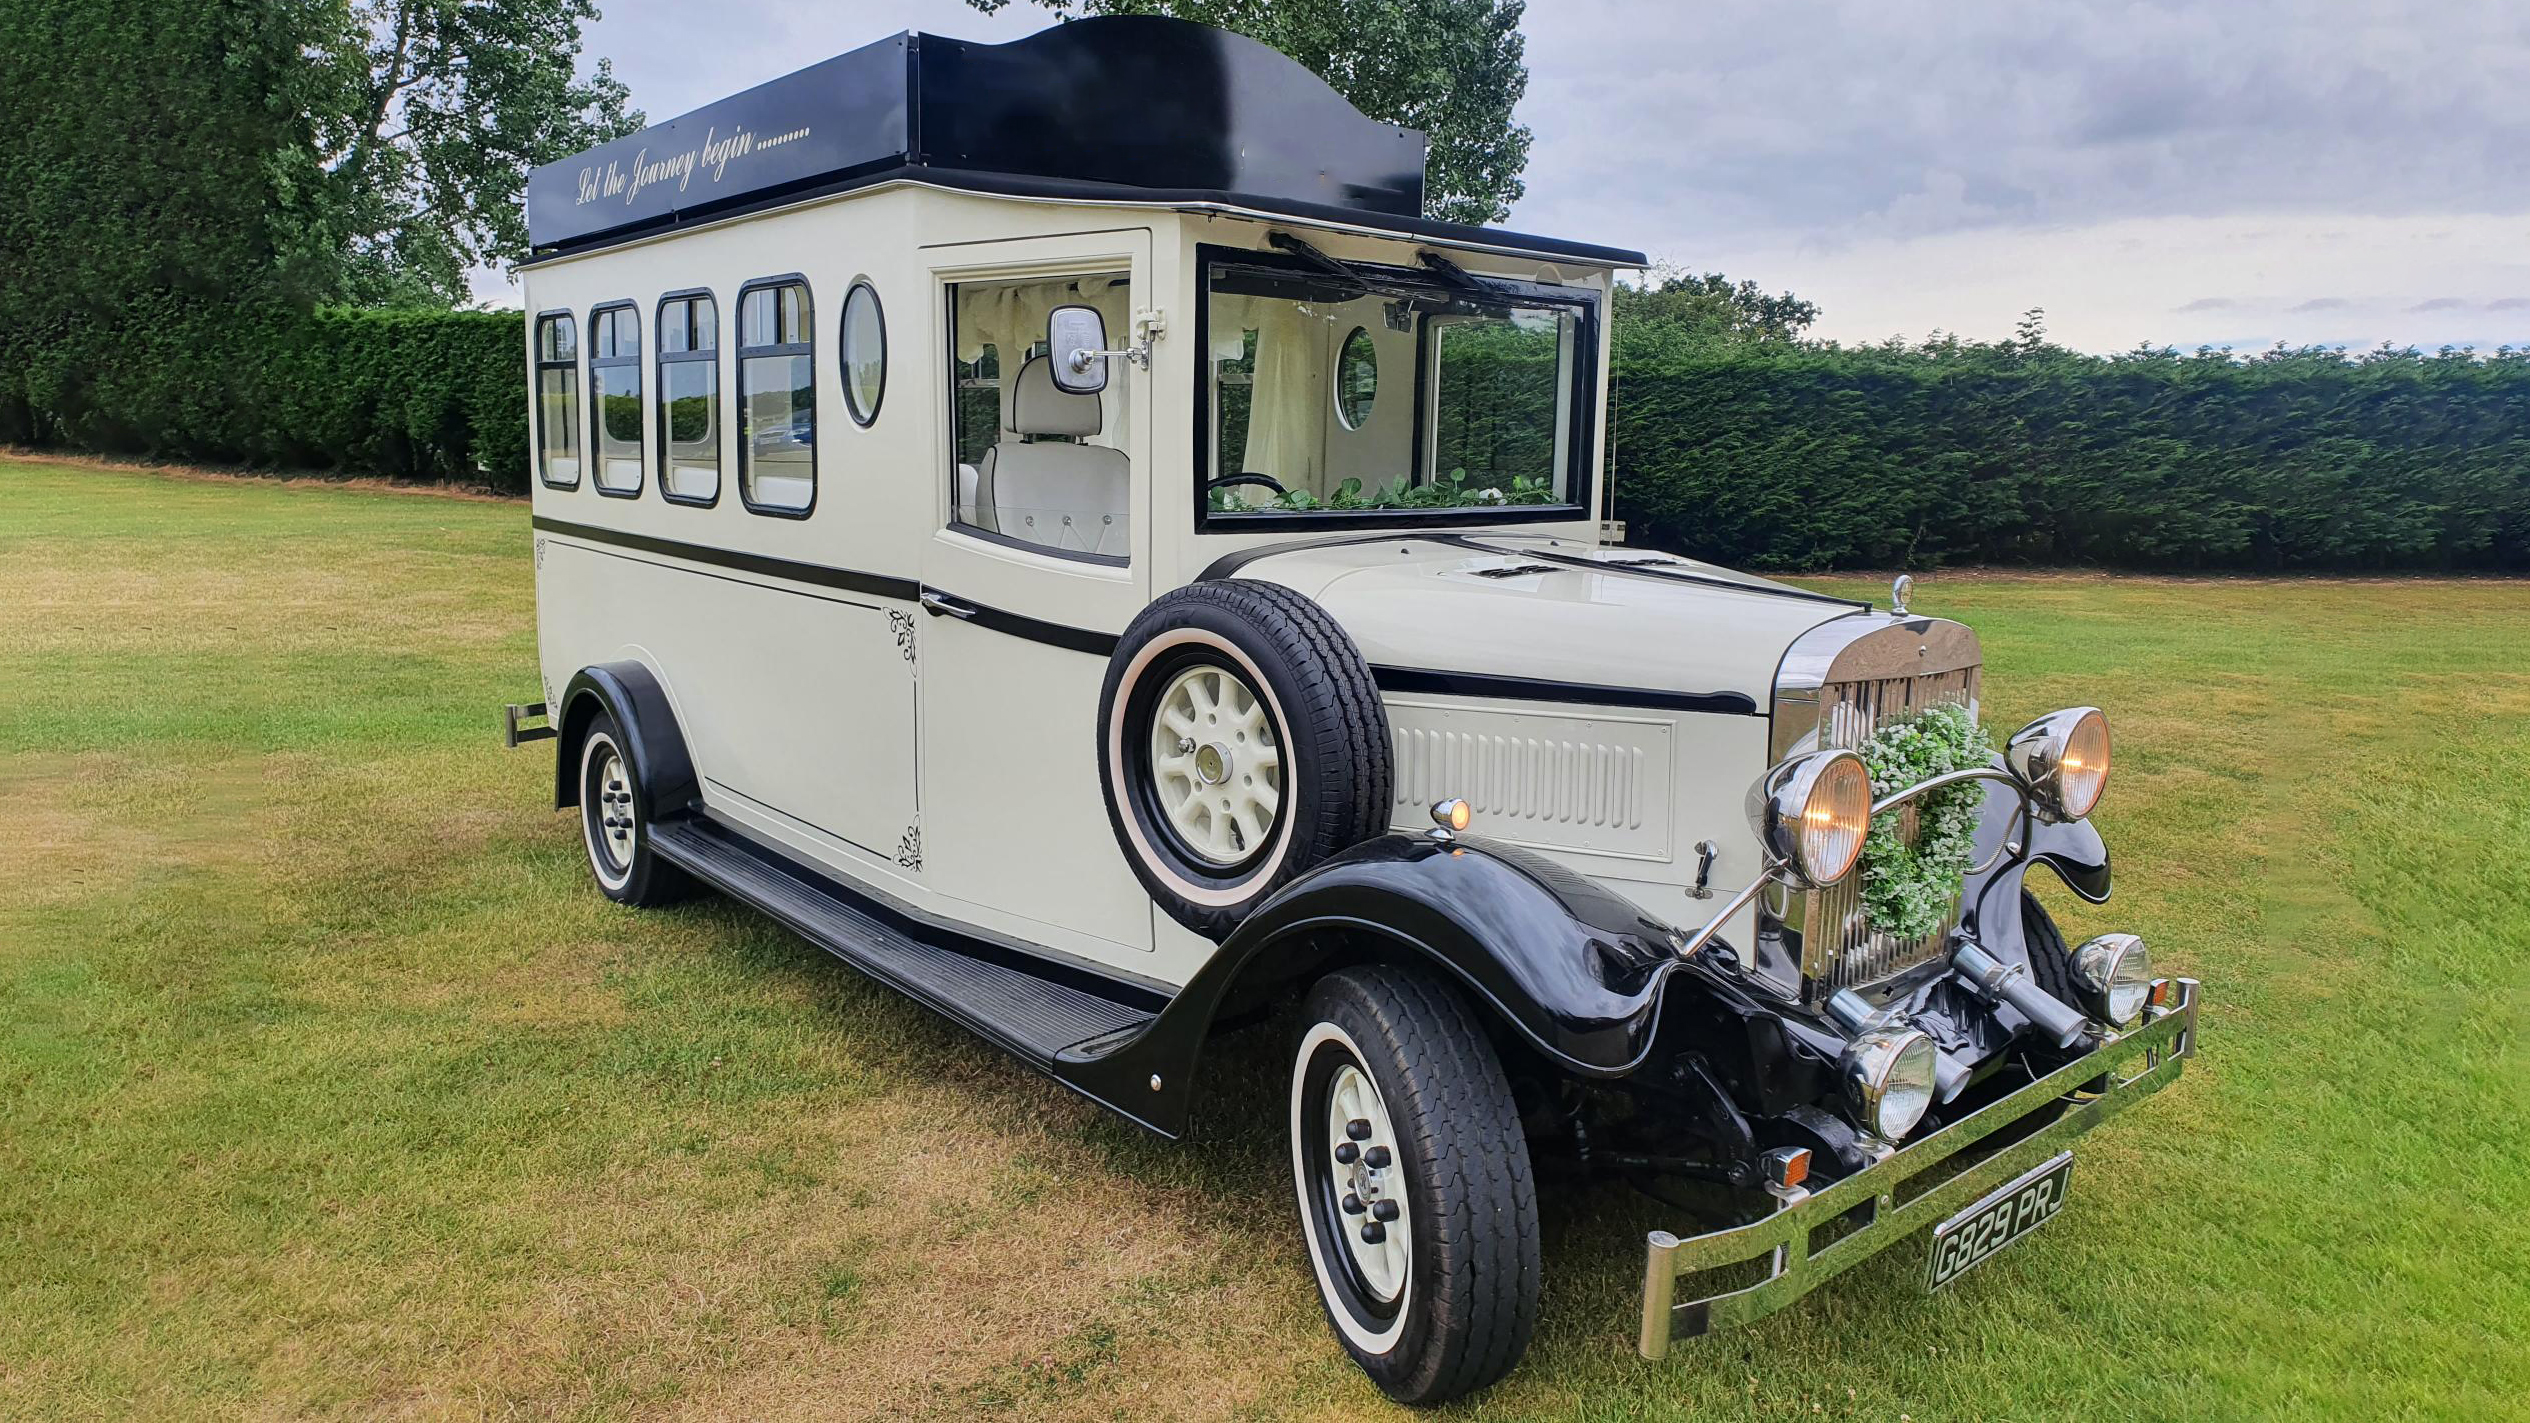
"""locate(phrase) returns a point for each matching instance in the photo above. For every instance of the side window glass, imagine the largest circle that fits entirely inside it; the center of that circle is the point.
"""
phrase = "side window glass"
(1035, 464)
(689, 399)
(777, 399)
(864, 353)
(558, 401)
(615, 399)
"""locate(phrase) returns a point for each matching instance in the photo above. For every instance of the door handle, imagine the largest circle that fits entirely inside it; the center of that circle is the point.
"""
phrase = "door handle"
(941, 605)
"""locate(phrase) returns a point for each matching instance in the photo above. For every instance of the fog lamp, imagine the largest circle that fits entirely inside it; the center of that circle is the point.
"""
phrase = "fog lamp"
(2115, 975)
(2062, 758)
(1888, 1075)
(1811, 813)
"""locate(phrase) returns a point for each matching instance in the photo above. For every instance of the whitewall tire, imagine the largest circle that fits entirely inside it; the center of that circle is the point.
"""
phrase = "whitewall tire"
(1417, 1207)
(615, 823)
(1242, 741)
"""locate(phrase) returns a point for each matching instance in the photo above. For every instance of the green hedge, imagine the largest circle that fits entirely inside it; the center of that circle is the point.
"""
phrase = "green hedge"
(433, 395)
(1781, 456)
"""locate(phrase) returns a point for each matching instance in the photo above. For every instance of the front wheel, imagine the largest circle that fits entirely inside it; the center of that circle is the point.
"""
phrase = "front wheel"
(1416, 1201)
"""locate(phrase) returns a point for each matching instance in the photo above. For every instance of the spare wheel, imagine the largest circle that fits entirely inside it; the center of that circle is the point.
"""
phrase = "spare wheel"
(1242, 742)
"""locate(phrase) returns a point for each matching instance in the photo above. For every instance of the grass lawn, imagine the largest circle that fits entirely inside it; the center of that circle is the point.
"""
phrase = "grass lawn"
(328, 1084)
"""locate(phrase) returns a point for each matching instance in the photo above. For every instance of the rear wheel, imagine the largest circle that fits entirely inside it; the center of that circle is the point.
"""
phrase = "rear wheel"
(615, 825)
(1416, 1202)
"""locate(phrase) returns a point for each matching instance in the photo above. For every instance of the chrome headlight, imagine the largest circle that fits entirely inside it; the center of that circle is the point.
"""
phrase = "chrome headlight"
(2062, 758)
(1811, 812)
(1889, 1078)
(2115, 974)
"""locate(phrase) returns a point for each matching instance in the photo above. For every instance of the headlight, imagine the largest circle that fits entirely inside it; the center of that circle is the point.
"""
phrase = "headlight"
(2063, 758)
(1888, 1076)
(2115, 972)
(1812, 811)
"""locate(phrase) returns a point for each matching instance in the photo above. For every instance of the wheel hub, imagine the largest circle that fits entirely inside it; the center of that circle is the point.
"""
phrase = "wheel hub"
(615, 802)
(1216, 765)
(1369, 1186)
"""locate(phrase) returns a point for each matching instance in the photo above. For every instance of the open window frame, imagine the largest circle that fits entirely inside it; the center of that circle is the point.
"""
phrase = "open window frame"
(602, 315)
(692, 355)
(1581, 400)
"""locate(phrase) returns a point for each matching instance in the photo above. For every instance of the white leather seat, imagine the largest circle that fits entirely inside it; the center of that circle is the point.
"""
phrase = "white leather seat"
(1040, 483)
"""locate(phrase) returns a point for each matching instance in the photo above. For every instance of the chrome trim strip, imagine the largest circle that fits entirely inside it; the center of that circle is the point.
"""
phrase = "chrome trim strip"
(2163, 1044)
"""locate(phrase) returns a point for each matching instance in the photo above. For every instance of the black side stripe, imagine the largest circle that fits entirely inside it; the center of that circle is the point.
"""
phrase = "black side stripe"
(877, 585)
(1530, 689)
(1103, 644)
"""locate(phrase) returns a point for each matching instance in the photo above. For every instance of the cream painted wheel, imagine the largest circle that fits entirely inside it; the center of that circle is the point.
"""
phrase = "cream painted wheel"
(1241, 743)
(606, 812)
(1216, 767)
(1370, 1183)
(1417, 1207)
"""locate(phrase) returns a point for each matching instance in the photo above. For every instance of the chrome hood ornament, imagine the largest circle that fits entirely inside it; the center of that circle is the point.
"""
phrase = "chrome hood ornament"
(1900, 588)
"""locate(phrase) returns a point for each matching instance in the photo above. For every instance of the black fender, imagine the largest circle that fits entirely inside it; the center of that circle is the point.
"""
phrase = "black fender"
(1990, 906)
(1571, 968)
(663, 772)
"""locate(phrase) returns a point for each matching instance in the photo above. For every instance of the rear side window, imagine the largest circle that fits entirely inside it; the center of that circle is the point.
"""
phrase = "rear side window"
(615, 398)
(689, 399)
(777, 398)
(558, 400)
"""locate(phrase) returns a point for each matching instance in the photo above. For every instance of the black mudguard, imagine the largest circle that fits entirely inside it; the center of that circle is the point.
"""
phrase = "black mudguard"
(629, 693)
(1990, 907)
(1573, 969)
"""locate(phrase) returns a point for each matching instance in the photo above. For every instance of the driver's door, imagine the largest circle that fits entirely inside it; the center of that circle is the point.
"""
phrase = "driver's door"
(1040, 557)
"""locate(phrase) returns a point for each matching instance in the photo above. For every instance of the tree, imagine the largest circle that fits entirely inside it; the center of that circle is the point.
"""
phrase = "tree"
(427, 116)
(1452, 68)
(1674, 306)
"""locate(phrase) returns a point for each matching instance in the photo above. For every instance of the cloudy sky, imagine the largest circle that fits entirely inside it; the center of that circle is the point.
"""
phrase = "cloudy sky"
(2184, 172)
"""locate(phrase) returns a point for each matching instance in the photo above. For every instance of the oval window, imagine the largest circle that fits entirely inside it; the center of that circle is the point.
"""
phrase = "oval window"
(864, 353)
(1356, 379)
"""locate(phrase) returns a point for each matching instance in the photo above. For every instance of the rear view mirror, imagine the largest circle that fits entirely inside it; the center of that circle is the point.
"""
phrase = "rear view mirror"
(1076, 340)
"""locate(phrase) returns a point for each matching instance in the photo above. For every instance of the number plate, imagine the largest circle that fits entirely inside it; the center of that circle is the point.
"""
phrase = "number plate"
(2007, 1213)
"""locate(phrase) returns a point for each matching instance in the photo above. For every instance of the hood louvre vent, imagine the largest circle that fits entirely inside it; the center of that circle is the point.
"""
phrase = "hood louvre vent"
(1513, 570)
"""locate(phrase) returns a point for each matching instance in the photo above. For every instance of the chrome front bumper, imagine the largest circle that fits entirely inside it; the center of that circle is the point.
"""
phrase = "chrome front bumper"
(2138, 1064)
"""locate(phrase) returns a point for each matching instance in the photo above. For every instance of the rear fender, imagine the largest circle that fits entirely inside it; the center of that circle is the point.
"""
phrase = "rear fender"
(630, 694)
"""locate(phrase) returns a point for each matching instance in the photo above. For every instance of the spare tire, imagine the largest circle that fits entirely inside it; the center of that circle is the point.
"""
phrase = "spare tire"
(1241, 742)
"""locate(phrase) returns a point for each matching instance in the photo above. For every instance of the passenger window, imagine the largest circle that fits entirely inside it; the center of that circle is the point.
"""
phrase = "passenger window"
(1037, 465)
(615, 398)
(689, 399)
(558, 401)
(777, 399)
(864, 353)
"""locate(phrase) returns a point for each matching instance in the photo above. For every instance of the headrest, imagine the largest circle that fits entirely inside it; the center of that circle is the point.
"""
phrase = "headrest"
(1040, 407)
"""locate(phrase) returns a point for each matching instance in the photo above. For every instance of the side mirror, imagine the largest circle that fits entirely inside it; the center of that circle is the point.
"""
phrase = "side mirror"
(1076, 344)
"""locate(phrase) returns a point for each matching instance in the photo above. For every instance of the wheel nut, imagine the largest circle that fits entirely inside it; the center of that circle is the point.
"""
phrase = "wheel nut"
(1383, 1210)
(1373, 1233)
(1358, 1128)
(1378, 1158)
(1352, 1204)
(1346, 1153)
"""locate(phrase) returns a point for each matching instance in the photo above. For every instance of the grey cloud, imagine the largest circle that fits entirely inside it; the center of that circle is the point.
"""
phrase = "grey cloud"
(2440, 303)
(2207, 303)
(1904, 117)
(2324, 303)
(2509, 303)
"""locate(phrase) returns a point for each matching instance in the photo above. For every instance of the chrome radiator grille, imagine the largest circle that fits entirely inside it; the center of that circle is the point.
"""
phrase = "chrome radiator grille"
(1837, 950)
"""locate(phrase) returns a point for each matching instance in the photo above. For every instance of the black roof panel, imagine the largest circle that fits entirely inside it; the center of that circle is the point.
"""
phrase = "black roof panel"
(1116, 108)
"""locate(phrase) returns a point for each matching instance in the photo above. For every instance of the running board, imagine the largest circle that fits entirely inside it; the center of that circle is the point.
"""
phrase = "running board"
(1030, 1014)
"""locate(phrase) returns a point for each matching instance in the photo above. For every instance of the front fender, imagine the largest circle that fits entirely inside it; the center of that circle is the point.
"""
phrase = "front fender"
(1990, 905)
(1570, 967)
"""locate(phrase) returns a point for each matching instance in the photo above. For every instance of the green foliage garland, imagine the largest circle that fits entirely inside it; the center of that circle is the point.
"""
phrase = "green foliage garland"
(1907, 890)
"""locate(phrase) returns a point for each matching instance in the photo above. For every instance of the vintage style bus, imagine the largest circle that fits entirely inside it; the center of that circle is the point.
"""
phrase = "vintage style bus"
(1055, 525)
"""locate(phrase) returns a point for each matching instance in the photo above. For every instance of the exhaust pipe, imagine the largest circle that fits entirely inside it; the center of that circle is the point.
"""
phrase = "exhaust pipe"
(1999, 982)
